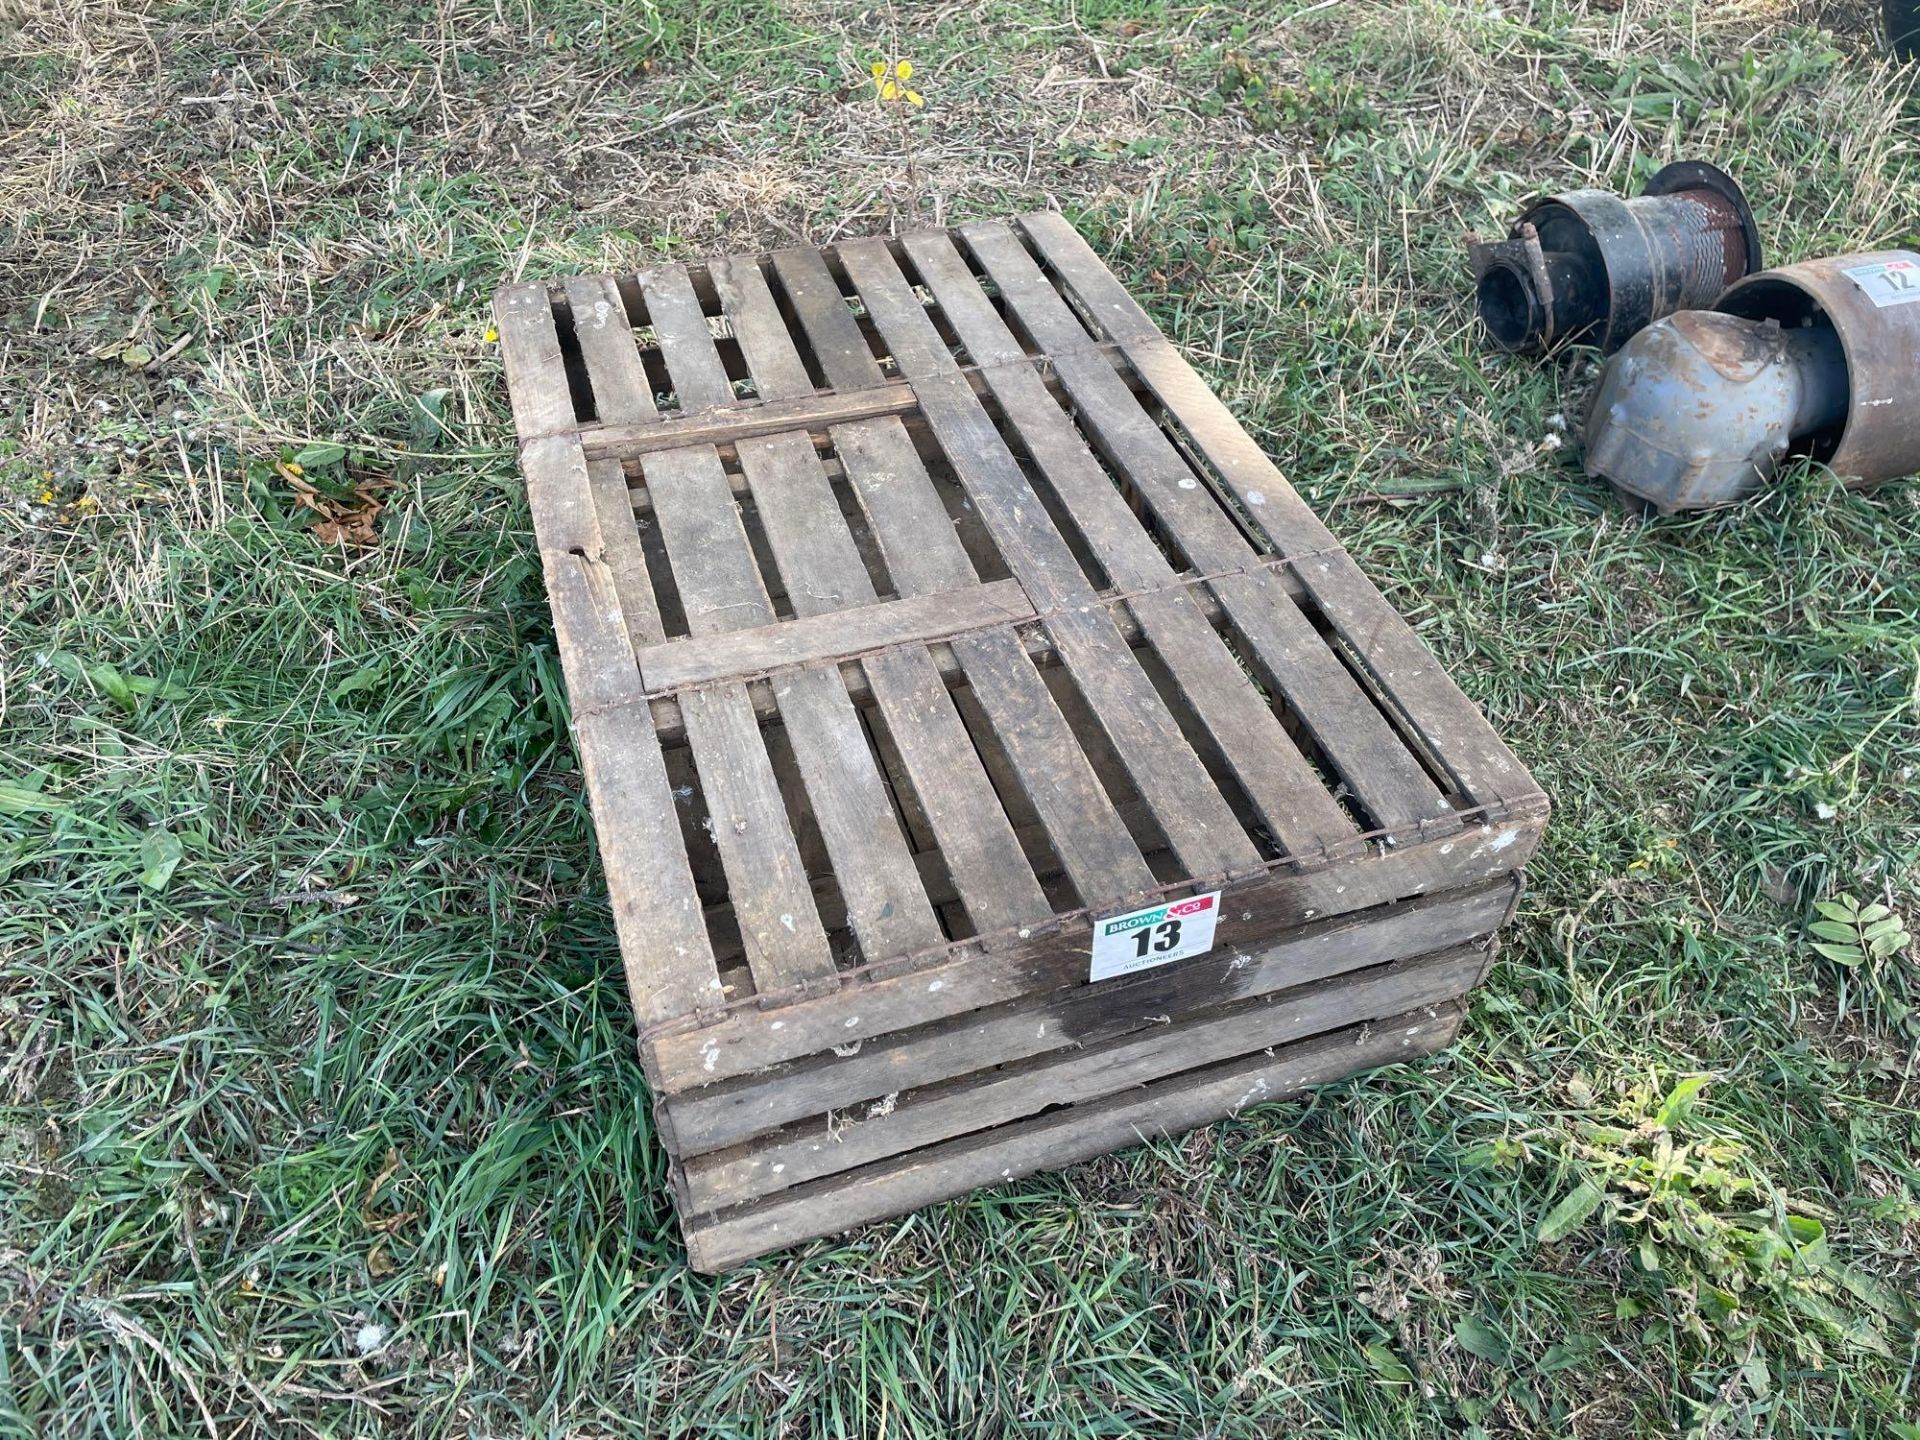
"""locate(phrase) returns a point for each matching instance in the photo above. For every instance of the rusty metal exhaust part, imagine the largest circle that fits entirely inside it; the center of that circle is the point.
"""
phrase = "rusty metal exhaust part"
(1819, 359)
(1590, 268)
(1903, 28)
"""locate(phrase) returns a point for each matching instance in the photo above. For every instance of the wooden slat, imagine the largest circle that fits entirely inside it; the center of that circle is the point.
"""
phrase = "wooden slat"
(873, 870)
(1186, 804)
(686, 344)
(1282, 785)
(713, 567)
(1254, 913)
(923, 554)
(1114, 313)
(976, 1043)
(766, 417)
(772, 901)
(721, 590)
(1165, 1107)
(777, 370)
(622, 394)
(908, 1121)
(991, 871)
(620, 541)
(827, 635)
(1375, 763)
(1084, 829)
(664, 946)
(530, 351)
(1449, 724)
(715, 427)
(824, 575)
(835, 335)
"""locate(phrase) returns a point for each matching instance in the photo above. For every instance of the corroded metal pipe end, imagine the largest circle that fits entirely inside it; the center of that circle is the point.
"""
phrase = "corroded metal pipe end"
(1871, 302)
(1588, 267)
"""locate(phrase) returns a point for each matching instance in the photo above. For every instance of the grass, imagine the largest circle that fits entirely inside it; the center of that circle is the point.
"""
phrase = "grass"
(318, 1107)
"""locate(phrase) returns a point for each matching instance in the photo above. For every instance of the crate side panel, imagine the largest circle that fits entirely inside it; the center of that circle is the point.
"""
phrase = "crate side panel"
(971, 1046)
(1064, 1138)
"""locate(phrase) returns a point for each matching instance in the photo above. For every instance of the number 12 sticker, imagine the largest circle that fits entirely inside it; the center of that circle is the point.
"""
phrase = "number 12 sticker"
(1887, 282)
(1157, 935)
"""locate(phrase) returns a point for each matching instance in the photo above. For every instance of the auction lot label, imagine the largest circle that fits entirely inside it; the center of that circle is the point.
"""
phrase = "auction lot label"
(1157, 935)
(1888, 282)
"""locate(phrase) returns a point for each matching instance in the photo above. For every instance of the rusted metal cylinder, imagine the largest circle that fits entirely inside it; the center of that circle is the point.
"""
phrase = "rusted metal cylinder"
(1872, 303)
(1591, 268)
(1903, 28)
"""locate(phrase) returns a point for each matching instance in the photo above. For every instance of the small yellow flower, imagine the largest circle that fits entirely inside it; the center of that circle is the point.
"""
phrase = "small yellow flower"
(890, 82)
(492, 335)
(46, 497)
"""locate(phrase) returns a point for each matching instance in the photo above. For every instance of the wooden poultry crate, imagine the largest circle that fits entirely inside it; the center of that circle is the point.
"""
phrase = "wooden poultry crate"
(923, 614)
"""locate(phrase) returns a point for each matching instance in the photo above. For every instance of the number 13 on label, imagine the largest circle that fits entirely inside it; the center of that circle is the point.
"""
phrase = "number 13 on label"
(1157, 935)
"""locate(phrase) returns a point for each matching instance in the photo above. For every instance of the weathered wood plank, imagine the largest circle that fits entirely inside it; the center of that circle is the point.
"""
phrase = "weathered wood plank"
(874, 872)
(664, 946)
(1165, 1107)
(686, 344)
(620, 547)
(838, 344)
(977, 1042)
(1114, 313)
(917, 540)
(712, 559)
(776, 367)
(725, 427)
(989, 868)
(832, 634)
(530, 352)
(1081, 822)
(722, 427)
(786, 945)
(622, 394)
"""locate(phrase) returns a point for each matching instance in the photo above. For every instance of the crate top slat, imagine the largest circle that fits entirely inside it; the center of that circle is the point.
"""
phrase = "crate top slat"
(917, 601)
